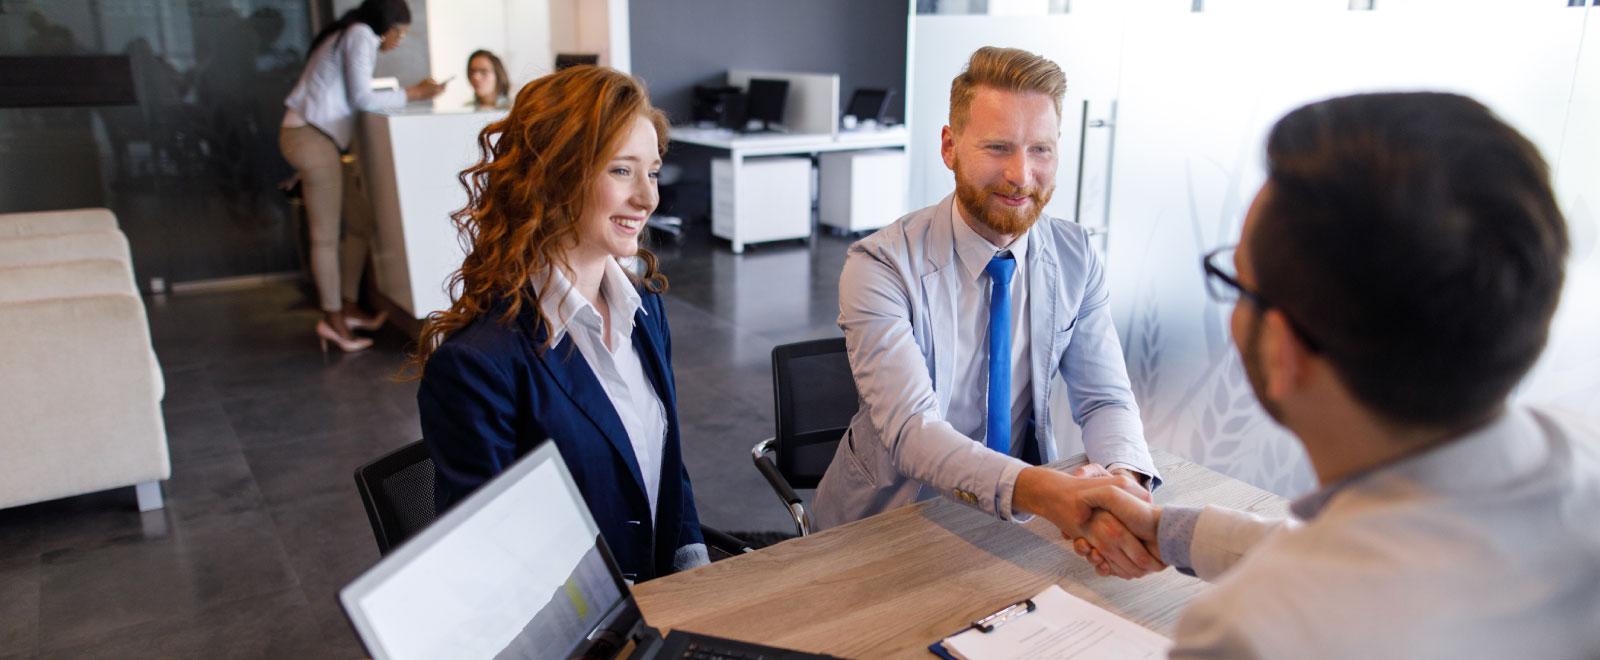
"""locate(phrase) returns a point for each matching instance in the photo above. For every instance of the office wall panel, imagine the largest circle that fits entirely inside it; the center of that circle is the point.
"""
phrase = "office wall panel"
(677, 44)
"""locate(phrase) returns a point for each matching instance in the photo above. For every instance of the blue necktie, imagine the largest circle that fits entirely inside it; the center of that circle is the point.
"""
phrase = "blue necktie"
(998, 426)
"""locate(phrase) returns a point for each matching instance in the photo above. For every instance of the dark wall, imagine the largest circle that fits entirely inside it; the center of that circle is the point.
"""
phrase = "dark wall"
(677, 44)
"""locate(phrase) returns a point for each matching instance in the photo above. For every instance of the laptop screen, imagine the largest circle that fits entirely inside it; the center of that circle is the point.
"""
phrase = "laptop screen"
(516, 570)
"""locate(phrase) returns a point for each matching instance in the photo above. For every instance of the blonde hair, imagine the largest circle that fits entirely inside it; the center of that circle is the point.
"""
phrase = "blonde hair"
(1008, 69)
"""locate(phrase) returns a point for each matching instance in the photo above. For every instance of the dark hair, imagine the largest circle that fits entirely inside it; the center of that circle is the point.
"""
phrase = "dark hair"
(380, 15)
(1415, 238)
(502, 86)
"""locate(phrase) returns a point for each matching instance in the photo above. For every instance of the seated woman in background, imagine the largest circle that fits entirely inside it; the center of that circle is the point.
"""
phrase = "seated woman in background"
(490, 86)
(551, 334)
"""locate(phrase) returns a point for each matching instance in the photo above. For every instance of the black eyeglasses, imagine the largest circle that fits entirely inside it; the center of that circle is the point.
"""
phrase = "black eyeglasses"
(1224, 287)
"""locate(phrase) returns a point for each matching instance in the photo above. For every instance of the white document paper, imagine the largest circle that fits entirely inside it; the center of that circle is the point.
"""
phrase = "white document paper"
(1061, 626)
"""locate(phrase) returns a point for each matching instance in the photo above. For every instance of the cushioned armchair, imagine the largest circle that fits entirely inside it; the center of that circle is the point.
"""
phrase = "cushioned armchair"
(79, 378)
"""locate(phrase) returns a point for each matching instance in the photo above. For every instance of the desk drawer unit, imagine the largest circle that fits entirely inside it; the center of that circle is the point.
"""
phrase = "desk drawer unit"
(770, 202)
(862, 189)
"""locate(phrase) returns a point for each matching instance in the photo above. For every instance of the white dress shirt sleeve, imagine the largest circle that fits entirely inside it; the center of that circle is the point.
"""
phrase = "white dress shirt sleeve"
(1206, 542)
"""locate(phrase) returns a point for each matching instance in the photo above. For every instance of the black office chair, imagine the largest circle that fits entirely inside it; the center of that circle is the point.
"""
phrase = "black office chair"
(397, 491)
(815, 397)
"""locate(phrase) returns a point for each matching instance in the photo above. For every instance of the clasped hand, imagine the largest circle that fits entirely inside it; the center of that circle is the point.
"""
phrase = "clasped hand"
(1109, 519)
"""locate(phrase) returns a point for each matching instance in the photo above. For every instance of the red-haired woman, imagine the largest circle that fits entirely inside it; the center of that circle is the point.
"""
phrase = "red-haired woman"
(552, 334)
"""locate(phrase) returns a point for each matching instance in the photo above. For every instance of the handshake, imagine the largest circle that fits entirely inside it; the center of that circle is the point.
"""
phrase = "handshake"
(1108, 518)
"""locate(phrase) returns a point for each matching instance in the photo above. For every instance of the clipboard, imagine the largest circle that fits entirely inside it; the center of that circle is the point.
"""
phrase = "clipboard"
(986, 625)
(1051, 622)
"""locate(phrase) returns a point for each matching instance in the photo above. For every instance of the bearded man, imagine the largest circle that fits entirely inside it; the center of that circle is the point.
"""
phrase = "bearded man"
(959, 316)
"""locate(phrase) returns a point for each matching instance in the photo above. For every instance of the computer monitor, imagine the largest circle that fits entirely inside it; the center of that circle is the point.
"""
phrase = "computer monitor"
(721, 106)
(569, 60)
(765, 100)
(869, 104)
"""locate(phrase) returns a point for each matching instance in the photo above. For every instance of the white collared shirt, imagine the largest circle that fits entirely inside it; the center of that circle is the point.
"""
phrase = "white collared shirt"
(619, 369)
(337, 85)
(969, 400)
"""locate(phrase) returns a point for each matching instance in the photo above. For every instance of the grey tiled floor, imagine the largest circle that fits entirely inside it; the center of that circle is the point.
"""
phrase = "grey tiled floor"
(262, 523)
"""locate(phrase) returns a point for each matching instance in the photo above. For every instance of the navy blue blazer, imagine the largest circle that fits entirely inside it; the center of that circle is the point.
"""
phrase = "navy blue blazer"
(489, 395)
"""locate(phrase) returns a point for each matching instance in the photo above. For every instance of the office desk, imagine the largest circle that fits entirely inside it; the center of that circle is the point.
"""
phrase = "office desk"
(890, 585)
(744, 224)
(410, 158)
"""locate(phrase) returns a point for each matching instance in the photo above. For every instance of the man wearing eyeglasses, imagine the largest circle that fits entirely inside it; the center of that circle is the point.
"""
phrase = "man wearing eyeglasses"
(1394, 280)
(959, 316)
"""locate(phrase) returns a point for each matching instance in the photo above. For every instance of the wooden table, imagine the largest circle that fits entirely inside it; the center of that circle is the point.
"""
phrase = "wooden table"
(890, 585)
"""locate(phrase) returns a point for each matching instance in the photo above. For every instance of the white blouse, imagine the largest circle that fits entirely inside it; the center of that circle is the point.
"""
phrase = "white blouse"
(337, 83)
(619, 369)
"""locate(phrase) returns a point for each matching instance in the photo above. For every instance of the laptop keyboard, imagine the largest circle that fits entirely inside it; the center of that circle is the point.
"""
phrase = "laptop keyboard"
(702, 651)
(679, 645)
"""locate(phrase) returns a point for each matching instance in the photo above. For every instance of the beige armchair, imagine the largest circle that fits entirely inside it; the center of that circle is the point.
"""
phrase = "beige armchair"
(79, 376)
(73, 221)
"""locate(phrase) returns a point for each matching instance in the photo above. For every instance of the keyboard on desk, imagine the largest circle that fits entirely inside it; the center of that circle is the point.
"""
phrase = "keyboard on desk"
(697, 652)
(690, 646)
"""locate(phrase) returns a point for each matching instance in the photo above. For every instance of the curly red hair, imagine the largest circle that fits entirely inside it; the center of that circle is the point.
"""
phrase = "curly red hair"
(526, 195)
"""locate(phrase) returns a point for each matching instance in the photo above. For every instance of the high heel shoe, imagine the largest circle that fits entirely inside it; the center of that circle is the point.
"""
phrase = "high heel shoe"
(326, 333)
(371, 323)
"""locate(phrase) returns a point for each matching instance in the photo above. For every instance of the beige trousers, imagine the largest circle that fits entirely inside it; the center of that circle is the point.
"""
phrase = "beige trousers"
(330, 192)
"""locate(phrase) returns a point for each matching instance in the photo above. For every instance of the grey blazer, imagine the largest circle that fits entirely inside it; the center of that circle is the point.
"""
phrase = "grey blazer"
(897, 307)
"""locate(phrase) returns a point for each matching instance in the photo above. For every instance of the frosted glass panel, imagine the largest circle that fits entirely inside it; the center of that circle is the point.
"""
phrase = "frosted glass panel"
(1195, 94)
(1569, 373)
(1186, 176)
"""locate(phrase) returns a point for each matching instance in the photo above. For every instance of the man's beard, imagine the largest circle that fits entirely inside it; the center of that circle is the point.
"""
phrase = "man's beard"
(1250, 356)
(1007, 221)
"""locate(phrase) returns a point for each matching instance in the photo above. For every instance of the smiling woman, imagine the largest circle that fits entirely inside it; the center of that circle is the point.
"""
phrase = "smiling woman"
(549, 334)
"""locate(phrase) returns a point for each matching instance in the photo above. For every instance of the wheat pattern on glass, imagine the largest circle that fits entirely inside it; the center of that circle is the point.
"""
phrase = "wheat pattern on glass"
(1199, 402)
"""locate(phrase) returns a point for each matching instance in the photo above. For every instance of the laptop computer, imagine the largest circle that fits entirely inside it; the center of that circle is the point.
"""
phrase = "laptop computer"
(516, 570)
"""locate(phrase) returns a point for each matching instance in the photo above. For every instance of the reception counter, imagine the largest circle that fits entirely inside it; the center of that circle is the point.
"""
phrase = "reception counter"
(411, 158)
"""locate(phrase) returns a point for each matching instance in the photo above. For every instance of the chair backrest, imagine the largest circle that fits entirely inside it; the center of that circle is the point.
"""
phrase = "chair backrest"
(815, 397)
(397, 490)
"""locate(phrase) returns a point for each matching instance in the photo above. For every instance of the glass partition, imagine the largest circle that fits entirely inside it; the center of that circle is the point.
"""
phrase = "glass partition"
(191, 166)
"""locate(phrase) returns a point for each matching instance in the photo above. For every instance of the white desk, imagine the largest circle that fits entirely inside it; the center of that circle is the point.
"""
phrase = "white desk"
(411, 157)
(740, 147)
